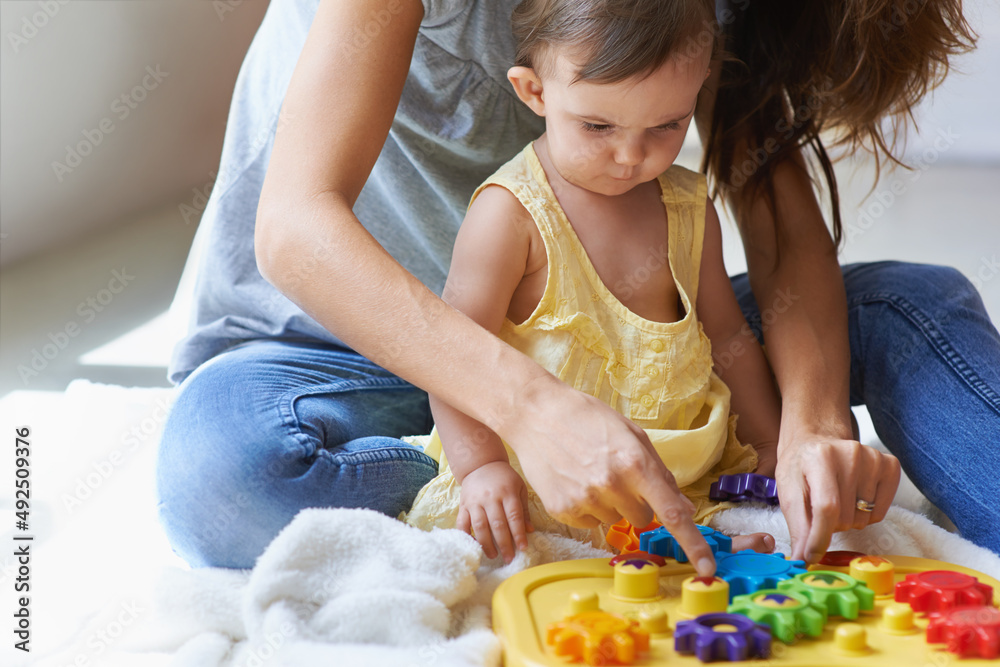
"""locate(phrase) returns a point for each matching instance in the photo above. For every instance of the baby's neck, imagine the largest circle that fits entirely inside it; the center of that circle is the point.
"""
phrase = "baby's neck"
(618, 234)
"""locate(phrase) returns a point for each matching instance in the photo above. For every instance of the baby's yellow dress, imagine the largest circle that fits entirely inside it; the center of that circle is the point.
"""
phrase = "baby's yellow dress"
(658, 374)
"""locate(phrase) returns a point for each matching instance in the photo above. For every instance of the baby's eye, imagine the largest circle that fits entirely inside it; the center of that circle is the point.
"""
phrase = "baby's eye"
(596, 127)
(668, 127)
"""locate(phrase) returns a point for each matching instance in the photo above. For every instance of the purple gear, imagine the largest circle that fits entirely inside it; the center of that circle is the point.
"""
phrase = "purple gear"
(747, 486)
(698, 636)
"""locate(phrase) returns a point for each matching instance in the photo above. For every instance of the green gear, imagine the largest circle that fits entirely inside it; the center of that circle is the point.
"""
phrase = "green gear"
(838, 593)
(788, 613)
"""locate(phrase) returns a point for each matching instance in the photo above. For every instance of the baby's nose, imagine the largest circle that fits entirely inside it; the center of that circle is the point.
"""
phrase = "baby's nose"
(630, 153)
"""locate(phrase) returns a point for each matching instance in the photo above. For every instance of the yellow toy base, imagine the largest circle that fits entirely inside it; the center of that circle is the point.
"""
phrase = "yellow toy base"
(526, 605)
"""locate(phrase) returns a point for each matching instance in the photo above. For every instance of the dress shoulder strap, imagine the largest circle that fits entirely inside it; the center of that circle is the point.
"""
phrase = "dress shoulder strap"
(520, 176)
(684, 194)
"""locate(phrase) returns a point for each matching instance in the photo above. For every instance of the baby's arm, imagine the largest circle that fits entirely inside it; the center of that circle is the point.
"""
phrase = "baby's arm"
(739, 359)
(488, 263)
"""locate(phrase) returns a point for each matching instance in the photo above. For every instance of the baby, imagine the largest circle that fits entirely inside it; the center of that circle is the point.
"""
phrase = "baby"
(596, 257)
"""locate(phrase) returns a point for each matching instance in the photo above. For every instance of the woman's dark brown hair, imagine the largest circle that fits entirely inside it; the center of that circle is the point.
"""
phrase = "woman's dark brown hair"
(857, 67)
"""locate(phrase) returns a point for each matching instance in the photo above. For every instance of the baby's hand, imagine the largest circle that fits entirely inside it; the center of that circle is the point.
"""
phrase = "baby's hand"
(493, 508)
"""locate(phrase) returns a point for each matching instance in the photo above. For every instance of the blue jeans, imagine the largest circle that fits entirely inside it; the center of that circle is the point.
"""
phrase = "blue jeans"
(925, 360)
(272, 427)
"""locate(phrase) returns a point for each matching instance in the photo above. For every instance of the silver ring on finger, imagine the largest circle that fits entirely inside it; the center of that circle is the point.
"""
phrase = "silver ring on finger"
(864, 505)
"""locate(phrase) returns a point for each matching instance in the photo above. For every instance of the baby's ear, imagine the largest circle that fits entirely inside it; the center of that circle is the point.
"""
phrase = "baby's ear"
(528, 87)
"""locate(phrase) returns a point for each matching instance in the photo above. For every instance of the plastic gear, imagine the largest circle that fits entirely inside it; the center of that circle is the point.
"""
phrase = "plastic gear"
(748, 571)
(664, 544)
(967, 631)
(942, 590)
(840, 594)
(787, 613)
(745, 487)
(640, 555)
(625, 537)
(598, 638)
(723, 637)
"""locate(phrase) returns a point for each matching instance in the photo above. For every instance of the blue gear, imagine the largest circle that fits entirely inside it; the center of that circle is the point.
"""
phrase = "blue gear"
(748, 571)
(662, 543)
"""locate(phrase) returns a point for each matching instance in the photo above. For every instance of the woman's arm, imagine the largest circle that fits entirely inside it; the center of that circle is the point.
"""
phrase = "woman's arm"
(796, 279)
(739, 360)
(822, 470)
(586, 462)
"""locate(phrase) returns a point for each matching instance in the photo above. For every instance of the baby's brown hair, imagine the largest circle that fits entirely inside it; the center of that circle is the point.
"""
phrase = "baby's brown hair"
(613, 40)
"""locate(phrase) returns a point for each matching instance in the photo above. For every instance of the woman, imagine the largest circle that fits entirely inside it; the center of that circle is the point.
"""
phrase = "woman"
(391, 112)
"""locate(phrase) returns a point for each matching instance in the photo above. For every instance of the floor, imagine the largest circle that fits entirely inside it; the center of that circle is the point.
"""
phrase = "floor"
(57, 311)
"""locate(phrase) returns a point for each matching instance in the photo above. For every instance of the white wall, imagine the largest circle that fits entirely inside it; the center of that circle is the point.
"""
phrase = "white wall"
(65, 63)
(64, 68)
(968, 100)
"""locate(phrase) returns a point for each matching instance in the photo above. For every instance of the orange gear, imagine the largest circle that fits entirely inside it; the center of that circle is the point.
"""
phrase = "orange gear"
(598, 638)
(625, 537)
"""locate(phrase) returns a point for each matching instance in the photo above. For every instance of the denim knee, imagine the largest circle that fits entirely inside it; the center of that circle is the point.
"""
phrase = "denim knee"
(236, 464)
(208, 462)
(899, 310)
(936, 290)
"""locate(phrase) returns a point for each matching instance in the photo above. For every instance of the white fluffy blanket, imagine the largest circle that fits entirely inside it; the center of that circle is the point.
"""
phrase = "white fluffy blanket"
(353, 587)
(335, 587)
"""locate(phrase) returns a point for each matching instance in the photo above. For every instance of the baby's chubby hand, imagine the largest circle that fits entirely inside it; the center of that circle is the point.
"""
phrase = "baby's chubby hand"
(493, 508)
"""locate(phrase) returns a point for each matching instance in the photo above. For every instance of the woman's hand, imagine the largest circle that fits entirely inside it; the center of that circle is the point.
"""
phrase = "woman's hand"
(588, 464)
(820, 481)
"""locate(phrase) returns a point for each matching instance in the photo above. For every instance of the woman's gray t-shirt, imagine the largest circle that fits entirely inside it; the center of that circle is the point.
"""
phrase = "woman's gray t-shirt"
(458, 121)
